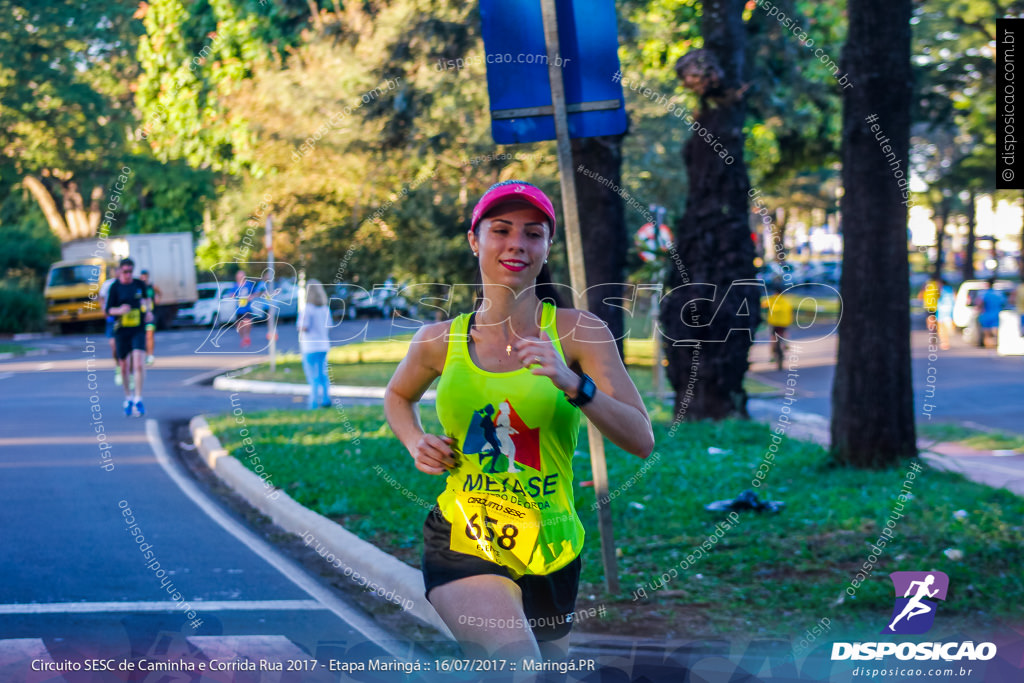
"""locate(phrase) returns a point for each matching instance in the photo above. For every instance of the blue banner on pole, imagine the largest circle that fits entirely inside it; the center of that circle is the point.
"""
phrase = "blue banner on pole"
(517, 69)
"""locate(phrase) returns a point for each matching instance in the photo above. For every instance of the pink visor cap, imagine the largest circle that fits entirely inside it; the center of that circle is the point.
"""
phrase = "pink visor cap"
(513, 191)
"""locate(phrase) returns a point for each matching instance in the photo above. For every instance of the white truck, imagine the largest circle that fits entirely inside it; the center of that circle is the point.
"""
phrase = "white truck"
(73, 282)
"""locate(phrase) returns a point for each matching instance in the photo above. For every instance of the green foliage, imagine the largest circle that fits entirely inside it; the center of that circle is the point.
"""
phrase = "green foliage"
(22, 309)
(28, 252)
(370, 156)
(60, 63)
(163, 197)
(793, 100)
(955, 108)
(189, 60)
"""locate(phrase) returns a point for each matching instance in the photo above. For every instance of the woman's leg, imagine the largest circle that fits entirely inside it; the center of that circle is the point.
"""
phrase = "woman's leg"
(324, 379)
(310, 371)
(485, 614)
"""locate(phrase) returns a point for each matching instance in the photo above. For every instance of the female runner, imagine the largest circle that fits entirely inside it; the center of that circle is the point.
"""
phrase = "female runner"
(501, 547)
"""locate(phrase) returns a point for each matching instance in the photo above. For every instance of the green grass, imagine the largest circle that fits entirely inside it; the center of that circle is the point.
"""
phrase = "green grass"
(771, 574)
(16, 349)
(945, 432)
(371, 364)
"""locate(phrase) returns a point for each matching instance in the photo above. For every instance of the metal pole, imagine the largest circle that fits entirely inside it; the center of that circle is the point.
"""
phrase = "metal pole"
(659, 217)
(578, 276)
(271, 319)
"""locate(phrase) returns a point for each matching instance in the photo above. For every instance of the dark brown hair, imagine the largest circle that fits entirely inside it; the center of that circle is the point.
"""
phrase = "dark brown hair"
(546, 289)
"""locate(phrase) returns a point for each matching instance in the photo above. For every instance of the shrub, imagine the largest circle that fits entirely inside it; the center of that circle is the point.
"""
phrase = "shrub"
(21, 309)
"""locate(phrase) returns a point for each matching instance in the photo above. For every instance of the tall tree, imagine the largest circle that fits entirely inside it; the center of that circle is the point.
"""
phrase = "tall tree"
(872, 393)
(64, 74)
(602, 228)
(955, 107)
(709, 316)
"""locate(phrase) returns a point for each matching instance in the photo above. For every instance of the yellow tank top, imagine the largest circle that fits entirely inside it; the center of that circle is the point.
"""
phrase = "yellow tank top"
(509, 499)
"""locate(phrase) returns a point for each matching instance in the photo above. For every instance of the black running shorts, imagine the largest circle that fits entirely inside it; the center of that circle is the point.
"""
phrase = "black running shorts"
(128, 339)
(549, 600)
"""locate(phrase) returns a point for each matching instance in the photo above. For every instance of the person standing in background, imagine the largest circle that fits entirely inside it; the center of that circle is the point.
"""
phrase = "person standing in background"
(991, 302)
(314, 319)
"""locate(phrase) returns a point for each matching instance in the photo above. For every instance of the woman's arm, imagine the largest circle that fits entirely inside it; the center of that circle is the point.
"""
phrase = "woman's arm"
(421, 366)
(616, 409)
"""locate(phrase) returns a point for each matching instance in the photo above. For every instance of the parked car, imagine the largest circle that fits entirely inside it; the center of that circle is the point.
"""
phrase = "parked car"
(378, 303)
(965, 305)
(204, 311)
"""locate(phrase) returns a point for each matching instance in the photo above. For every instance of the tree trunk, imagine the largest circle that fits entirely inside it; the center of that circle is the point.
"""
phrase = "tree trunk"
(709, 321)
(603, 227)
(75, 221)
(940, 237)
(49, 207)
(972, 218)
(779, 235)
(872, 393)
(80, 219)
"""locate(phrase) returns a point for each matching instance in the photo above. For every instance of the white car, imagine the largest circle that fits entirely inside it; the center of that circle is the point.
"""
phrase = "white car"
(204, 311)
(965, 305)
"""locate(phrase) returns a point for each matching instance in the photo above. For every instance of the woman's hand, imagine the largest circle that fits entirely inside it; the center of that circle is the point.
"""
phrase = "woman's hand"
(539, 353)
(433, 454)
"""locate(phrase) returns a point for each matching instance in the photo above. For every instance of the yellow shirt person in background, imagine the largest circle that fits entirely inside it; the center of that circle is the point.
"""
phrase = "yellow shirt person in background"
(779, 316)
(780, 312)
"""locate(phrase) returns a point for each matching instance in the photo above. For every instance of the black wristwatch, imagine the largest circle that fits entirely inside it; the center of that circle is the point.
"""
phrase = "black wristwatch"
(584, 392)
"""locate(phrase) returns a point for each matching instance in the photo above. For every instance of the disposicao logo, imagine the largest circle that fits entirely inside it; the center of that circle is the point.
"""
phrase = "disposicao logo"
(913, 614)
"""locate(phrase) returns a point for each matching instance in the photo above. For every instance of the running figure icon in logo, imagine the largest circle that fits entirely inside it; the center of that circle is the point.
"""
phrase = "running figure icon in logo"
(923, 585)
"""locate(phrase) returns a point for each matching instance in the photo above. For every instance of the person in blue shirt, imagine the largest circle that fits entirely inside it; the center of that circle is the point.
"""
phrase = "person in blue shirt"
(991, 303)
(244, 292)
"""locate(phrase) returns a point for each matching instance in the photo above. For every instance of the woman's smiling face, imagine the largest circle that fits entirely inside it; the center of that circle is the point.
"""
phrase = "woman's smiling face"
(513, 241)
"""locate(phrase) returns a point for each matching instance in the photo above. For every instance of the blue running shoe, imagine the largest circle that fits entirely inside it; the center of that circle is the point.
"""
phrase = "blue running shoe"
(140, 410)
(127, 407)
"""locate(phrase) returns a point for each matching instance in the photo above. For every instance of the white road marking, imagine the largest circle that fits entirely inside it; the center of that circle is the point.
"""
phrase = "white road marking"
(165, 606)
(270, 555)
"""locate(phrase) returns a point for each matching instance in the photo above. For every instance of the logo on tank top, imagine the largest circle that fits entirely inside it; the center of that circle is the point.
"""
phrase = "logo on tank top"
(501, 437)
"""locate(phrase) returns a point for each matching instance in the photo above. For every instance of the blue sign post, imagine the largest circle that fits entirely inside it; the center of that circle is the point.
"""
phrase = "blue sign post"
(517, 69)
(552, 70)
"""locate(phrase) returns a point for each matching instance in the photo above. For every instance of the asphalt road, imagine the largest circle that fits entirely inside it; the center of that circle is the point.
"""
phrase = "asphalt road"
(77, 580)
(972, 385)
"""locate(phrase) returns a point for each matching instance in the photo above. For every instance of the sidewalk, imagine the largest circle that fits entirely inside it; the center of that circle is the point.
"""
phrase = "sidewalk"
(998, 469)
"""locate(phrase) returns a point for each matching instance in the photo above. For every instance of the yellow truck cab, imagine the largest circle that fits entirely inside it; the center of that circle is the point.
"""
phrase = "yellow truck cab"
(72, 290)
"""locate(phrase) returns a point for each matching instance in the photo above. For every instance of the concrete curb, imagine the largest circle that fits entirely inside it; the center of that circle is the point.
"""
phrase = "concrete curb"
(260, 387)
(383, 573)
